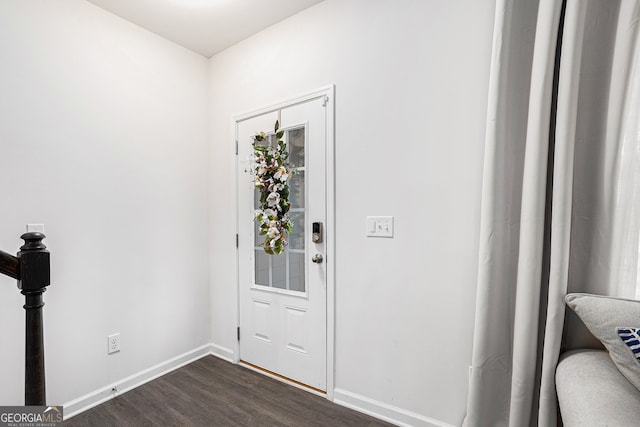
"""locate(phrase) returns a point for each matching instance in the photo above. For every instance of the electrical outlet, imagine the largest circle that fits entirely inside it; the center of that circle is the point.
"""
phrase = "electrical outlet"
(113, 342)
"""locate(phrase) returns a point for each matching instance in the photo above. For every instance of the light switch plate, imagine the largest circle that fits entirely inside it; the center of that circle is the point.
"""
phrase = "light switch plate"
(379, 226)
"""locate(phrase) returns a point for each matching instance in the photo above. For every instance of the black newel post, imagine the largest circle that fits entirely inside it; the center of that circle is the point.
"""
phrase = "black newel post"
(34, 278)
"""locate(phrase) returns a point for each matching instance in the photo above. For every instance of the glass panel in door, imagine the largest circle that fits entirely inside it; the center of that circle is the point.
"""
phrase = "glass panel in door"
(286, 271)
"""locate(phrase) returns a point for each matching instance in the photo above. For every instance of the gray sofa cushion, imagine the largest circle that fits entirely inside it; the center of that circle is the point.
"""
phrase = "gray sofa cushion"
(593, 392)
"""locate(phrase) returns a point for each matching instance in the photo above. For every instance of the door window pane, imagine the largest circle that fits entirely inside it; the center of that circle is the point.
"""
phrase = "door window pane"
(296, 190)
(295, 141)
(262, 267)
(296, 271)
(279, 271)
(296, 237)
(287, 270)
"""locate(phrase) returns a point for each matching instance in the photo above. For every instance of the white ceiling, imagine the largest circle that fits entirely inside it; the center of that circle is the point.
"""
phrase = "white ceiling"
(204, 26)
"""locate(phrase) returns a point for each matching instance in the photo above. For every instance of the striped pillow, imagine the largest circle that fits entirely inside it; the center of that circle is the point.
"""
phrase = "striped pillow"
(631, 339)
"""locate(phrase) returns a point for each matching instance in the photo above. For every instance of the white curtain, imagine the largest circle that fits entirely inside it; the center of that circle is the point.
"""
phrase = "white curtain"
(627, 197)
(561, 194)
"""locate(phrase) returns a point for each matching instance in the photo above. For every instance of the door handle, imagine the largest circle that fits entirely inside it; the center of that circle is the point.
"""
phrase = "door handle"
(317, 258)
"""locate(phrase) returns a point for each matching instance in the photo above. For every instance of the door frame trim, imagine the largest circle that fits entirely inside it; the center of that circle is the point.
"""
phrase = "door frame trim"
(328, 93)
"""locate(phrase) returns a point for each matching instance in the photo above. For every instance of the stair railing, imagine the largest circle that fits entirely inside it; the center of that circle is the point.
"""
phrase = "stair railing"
(31, 268)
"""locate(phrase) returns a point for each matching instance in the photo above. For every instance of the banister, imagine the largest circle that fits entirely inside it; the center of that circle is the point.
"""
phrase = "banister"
(9, 265)
(32, 270)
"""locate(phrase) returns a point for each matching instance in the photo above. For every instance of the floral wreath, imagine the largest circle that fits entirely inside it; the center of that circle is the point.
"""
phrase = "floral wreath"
(271, 175)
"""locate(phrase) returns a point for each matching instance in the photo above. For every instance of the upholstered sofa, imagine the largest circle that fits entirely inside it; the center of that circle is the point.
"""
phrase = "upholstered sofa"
(602, 387)
(592, 392)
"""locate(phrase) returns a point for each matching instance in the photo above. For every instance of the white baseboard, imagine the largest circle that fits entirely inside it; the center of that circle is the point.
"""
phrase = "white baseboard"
(99, 396)
(383, 411)
(223, 353)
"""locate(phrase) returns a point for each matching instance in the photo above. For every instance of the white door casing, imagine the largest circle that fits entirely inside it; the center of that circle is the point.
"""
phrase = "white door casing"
(286, 301)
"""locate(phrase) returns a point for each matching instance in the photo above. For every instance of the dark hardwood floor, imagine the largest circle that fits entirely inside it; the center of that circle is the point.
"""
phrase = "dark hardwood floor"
(212, 392)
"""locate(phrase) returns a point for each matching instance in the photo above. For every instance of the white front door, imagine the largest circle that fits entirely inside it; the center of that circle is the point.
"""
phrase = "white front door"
(283, 298)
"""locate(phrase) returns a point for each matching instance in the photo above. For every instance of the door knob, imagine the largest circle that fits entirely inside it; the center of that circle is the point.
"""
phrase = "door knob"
(317, 258)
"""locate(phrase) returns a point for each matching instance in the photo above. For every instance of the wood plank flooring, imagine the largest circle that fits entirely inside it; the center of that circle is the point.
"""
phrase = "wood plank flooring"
(213, 392)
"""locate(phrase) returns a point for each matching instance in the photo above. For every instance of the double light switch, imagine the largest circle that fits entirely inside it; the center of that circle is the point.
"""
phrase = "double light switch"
(379, 226)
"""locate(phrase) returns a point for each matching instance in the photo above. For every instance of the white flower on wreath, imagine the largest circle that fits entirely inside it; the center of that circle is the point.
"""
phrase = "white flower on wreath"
(273, 199)
(281, 174)
(273, 233)
(276, 187)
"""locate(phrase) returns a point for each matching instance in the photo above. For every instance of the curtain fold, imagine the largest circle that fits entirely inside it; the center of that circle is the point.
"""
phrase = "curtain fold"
(561, 194)
(561, 202)
(529, 286)
(491, 364)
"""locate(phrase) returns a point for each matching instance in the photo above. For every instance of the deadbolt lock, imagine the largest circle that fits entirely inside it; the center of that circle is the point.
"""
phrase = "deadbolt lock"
(316, 236)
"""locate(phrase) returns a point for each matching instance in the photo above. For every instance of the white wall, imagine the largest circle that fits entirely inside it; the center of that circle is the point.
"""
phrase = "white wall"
(411, 85)
(103, 138)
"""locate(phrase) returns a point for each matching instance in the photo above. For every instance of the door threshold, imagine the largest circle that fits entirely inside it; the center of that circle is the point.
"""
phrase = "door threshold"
(282, 378)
